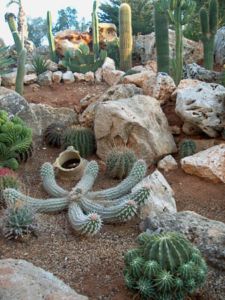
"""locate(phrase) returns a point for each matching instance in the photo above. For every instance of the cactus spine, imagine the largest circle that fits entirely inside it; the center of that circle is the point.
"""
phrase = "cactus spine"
(21, 71)
(95, 30)
(209, 23)
(51, 38)
(126, 39)
(162, 37)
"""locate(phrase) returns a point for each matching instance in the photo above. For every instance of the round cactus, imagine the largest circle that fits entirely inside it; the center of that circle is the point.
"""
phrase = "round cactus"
(165, 266)
(187, 148)
(53, 134)
(81, 138)
(8, 179)
(119, 162)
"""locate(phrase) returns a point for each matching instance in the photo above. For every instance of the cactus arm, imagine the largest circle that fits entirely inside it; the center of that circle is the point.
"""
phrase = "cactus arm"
(85, 224)
(40, 205)
(95, 30)
(49, 183)
(21, 71)
(51, 37)
(10, 18)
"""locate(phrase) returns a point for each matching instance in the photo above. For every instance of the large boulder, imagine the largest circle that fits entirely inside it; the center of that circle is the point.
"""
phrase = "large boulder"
(219, 51)
(203, 106)
(137, 122)
(21, 280)
(194, 71)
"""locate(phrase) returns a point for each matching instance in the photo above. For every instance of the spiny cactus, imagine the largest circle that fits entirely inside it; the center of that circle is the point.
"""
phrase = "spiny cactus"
(21, 71)
(53, 134)
(8, 179)
(126, 39)
(187, 148)
(119, 162)
(165, 266)
(81, 138)
(209, 24)
(51, 40)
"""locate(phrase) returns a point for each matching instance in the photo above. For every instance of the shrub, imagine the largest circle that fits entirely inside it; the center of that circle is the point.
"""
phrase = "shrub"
(40, 64)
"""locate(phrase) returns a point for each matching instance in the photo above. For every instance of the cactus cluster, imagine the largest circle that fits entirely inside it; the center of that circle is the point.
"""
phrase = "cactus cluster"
(87, 209)
(53, 134)
(187, 148)
(119, 162)
(8, 179)
(164, 266)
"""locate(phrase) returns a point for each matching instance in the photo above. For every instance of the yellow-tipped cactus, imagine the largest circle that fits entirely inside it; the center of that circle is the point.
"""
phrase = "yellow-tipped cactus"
(126, 39)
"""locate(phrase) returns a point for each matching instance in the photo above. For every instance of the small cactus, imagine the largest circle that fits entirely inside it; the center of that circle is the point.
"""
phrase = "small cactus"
(53, 134)
(119, 162)
(81, 138)
(187, 148)
(8, 179)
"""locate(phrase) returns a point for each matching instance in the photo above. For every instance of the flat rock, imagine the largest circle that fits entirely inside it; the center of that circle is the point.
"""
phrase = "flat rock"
(112, 76)
(21, 280)
(209, 164)
(194, 71)
(30, 78)
(68, 77)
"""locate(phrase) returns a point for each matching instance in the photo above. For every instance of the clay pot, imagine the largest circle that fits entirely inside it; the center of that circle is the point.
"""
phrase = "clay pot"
(69, 165)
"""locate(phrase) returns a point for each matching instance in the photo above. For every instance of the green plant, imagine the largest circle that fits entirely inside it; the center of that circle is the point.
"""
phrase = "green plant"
(119, 162)
(11, 20)
(53, 134)
(5, 61)
(81, 138)
(209, 24)
(51, 40)
(8, 179)
(95, 30)
(40, 64)
(165, 266)
(187, 148)
(21, 71)
(126, 39)
(113, 51)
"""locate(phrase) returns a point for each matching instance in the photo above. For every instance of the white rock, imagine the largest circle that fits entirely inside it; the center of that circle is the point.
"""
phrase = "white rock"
(112, 77)
(168, 163)
(98, 75)
(9, 79)
(161, 198)
(30, 78)
(209, 164)
(109, 64)
(89, 77)
(52, 66)
(57, 76)
(78, 76)
(220, 46)
(68, 77)
(29, 68)
(45, 79)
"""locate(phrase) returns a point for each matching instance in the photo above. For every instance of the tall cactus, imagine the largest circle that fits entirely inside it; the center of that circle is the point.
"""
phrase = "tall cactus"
(11, 20)
(126, 39)
(95, 30)
(21, 71)
(209, 24)
(51, 37)
(161, 36)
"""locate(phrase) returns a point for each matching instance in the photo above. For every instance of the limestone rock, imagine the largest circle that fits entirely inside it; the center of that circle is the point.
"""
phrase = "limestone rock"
(202, 106)
(191, 129)
(208, 235)
(137, 122)
(89, 77)
(161, 198)
(57, 76)
(194, 71)
(184, 83)
(45, 79)
(29, 69)
(219, 51)
(168, 163)
(68, 77)
(112, 76)
(109, 64)
(98, 75)
(9, 79)
(21, 280)
(30, 78)
(52, 66)
(78, 76)
(209, 164)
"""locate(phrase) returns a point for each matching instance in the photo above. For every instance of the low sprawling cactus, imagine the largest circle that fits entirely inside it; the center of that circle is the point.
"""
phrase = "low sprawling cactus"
(165, 266)
(86, 209)
(53, 134)
(187, 148)
(81, 138)
(119, 162)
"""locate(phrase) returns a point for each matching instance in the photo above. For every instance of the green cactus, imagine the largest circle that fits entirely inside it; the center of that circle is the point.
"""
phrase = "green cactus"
(161, 21)
(8, 179)
(119, 162)
(126, 39)
(51, 40)
(11, 20)
(165, 266)
(187, 148)
(209, 24)
(95, 30)
(81, 138)
(21, 71)
(53, 134)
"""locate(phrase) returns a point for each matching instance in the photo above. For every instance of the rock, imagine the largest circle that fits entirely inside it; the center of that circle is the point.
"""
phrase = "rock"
(161, 198)
(0, 80)
(194, 71)
(43, 50)
(119, 91)
(190, 129)
(45, 79)
(29, 79)
(112, 77)
(145, 48)
(21, 280)
(137, 122)
(9, 79)
(138, 79)
(89, 77)
(175, 130)
(78, 76)
(208, 235)
(168, 163)
(202, 106)
(184, 83)
(29, 69)
(68, 77)
(108, 64)
(209, 164)
(219, 48)
(52, 66)
(98, 75)
(57, 76)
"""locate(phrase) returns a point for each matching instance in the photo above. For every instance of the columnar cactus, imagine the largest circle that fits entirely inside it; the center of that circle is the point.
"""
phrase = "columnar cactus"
(95, 30)
(11, 20)
(21, 71)
(51, 40)
(209, 24)
(126, 39)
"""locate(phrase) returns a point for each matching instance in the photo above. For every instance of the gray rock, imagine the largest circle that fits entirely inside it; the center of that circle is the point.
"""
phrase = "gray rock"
(194, 71)
(57, 76)
(30, 78)
(21, 280)
(9, 79)
(219, 51)
(45, 79)
(68, 77)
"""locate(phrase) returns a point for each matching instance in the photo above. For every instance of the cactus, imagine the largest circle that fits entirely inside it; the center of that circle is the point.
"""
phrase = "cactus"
(21, 71)
(187, 148)
(81, 138)
(53, 134)
(11, 20)
(119, 162)
(165, 266)
(95, 30)
(209, 24)
(126, 39)
(51, 40)
(161, 36)
(8, 179)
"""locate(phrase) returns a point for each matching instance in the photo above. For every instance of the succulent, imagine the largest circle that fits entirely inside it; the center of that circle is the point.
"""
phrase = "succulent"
(8, 179)
(81, 138)
(53, 134)
(40, 64)
(119, 162)
(165, 266)
(187, 148)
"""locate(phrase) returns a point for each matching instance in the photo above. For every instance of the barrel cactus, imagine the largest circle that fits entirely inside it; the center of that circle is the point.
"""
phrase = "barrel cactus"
(165, 266)
(53, 134)
(187, 148)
